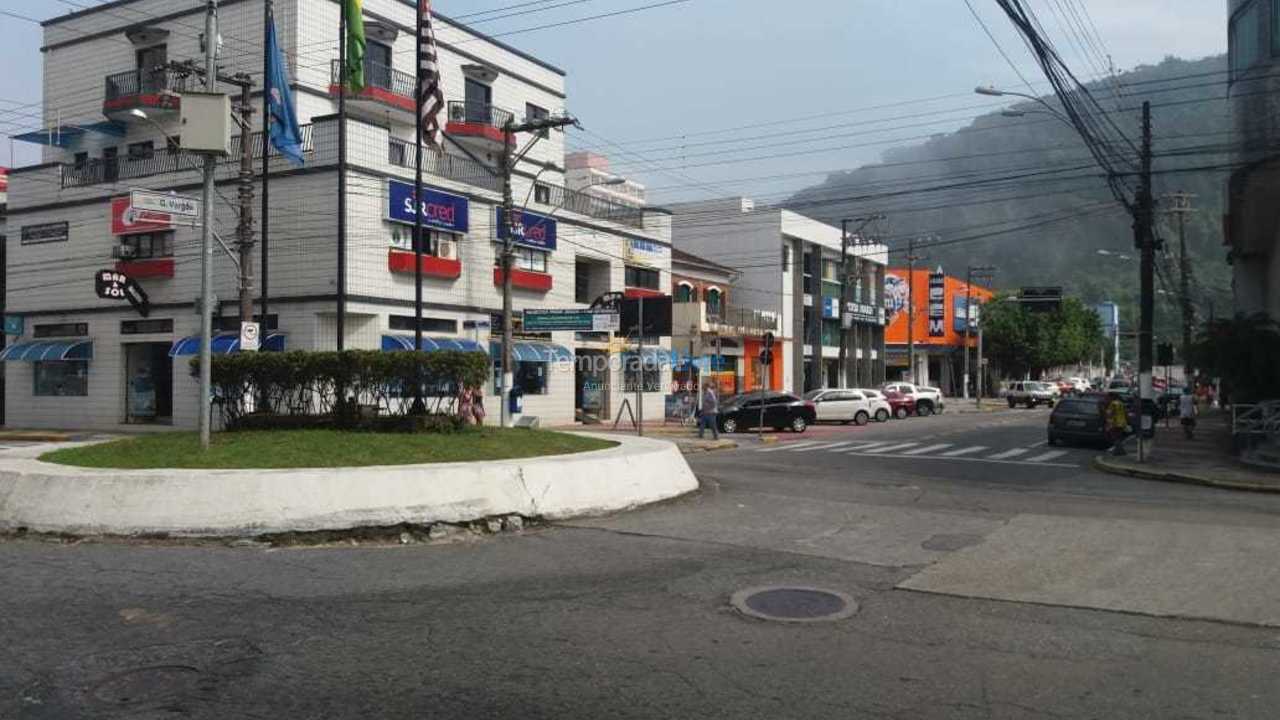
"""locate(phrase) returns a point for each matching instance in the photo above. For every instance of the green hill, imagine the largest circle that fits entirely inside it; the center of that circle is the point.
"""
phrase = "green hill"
(1023, 194)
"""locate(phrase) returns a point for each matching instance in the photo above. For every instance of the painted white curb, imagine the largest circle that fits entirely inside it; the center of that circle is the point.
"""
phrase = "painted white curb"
(45, 497)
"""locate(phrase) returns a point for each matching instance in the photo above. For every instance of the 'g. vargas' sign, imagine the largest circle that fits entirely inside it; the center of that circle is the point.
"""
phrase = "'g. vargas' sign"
(115, 285)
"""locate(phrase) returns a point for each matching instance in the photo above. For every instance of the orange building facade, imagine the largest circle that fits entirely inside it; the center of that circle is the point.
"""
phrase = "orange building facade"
(937, 315)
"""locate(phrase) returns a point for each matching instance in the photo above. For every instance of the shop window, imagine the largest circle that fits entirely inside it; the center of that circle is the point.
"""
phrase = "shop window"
(147, 245)
(52, 330)
(525, 259)
(61, 378)
(429, 324)
(529, 378)
(650, 375)
(638, 277)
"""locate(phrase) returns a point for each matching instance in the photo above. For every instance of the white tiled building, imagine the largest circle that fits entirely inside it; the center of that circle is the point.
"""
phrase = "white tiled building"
(100, 364)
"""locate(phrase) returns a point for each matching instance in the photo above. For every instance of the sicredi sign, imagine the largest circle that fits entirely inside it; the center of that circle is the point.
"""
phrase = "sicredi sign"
(439, 210)
(535, 231)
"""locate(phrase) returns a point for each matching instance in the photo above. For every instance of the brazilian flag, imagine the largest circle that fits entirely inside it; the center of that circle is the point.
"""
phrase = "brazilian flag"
(353, 73)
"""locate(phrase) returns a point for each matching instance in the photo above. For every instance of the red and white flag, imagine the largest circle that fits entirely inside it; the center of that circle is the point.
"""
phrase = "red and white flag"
(430, 96)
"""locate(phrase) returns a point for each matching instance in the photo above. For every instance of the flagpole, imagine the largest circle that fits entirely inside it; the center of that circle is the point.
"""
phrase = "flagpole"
(418, 406)
(342, 179)
(267, 20)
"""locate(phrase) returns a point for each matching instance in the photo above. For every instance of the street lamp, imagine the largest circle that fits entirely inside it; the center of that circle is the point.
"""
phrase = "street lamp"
(1108, 253)
(990, 91)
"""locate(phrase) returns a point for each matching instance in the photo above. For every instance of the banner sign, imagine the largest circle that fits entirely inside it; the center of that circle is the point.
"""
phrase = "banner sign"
(45, 233)
(571, 320)
(535, 231)
(937, 305)
(439, 210)
(959, 313)
(864, 313)
(129, 220)
(115, 285)
(830, 308)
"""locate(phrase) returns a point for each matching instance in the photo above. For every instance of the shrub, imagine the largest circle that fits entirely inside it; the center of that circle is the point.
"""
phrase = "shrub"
(352, 389)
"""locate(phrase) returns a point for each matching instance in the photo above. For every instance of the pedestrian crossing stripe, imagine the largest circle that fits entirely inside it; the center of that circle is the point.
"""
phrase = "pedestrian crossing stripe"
(965, 451)
(790, 446)
(825, 446)
(1047, 456)
(890, 448)
(1008, 454)
(928, 449)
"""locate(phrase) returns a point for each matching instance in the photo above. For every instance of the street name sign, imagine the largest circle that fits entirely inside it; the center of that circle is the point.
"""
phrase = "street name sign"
(159, 202)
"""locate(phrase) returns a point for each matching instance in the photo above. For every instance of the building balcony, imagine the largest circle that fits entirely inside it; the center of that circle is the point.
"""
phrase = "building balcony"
(696, 317)
(524, 280)
(480, 125)
(401, 261)
(441, 164)
(155, 91)
(385, 89)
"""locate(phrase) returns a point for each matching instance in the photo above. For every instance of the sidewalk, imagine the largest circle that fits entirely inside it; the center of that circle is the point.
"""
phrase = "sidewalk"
(961, 406)
(1206, 460)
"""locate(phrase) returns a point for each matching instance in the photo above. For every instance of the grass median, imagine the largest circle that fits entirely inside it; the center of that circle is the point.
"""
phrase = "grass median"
(281, 449)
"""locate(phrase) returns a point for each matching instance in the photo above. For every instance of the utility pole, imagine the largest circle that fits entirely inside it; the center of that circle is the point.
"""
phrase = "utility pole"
(267, 19)
(206, 236)
(1180, 205)
(244, 229)
(1144, 238)
(911, 310)
(514, 229)
(844, 289)
(974, 272)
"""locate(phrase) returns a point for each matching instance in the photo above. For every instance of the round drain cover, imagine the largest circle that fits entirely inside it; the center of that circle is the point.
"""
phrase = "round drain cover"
(794, 604)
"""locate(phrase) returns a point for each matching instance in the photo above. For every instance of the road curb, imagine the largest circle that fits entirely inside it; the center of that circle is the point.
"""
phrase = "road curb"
(1104, 465)
(719, 445)
(34, 436)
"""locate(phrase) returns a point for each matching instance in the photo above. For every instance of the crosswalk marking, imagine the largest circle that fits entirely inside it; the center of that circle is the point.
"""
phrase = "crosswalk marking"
(1008, 454)
(928, 449)
(1047, 456)
(822, 446)
(890, 448)
(965, 451)
(789, 446)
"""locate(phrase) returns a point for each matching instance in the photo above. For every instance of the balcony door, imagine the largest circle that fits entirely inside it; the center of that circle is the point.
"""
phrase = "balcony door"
(151, 63)
(377, 65)
(479, 97)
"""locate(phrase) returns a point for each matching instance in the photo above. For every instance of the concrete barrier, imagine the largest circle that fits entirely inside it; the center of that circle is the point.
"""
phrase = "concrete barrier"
(46, 497)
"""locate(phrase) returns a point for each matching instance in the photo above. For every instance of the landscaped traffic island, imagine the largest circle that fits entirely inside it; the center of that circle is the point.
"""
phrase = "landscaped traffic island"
(284, 449)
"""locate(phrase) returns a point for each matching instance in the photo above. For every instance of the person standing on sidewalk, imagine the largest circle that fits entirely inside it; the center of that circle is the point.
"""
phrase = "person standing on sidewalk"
(1187, 411)
(709, 416)
(1117, 423)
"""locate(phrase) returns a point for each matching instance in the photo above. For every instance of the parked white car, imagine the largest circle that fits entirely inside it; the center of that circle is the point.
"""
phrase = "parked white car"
(844, 406)
(928, 399)
(879, 405)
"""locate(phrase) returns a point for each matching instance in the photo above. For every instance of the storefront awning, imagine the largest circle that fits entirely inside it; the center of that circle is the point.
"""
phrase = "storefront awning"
(397, 343)
(223, 343)
(65, 135)
(68, 349)
(527, 351)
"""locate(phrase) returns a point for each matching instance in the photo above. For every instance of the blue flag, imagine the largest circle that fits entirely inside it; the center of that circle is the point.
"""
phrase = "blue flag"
(285, 135)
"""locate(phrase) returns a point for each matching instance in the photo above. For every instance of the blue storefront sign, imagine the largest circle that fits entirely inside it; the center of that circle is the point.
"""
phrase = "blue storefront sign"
(830, 308)
(14, 324)
(537, 231)
(440, 210)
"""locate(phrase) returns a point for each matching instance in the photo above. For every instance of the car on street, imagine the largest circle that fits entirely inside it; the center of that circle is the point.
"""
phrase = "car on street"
(1079, 419)
(840, 405)
(881, 410)
(779, 411)
(902, 405)
(1031, 393)
(1120, 385)
(927, 400)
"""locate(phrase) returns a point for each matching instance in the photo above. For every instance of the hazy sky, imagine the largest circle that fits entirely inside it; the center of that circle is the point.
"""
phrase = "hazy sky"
(826, 84)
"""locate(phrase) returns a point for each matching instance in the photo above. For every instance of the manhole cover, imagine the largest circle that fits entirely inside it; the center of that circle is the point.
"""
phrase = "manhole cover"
(147, 685)
(794, 604)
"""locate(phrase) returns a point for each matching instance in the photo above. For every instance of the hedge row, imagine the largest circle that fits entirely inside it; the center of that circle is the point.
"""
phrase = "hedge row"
(340, 389)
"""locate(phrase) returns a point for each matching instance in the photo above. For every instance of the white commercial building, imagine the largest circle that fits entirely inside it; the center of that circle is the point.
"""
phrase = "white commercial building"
(84, 361)
(789, 264)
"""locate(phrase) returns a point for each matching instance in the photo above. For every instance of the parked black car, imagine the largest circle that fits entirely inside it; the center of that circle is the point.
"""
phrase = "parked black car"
(781, 412)
(1080, 419)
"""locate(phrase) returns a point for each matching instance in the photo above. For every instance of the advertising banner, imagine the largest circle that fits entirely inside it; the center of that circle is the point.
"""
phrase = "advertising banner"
(440, 210)
(536, 231)
(129, 220)
(937, 305)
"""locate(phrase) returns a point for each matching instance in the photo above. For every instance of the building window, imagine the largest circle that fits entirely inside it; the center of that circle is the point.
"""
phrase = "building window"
(61, 378)
(533, 112)
(140, 150)
(830, 271)
(531, 378)
(713, 301)
(479, 98)
(429, 324)
(686, 293)
(650, 374)
(542, 194)
(53, 330)
(81, 159)
(808, 273)
(146, 327)
(786, 259)
(638, 277)
(432, 240)
(377, 65)
(144, 246)
(110, 164)
(1245, 41)
(525, 258)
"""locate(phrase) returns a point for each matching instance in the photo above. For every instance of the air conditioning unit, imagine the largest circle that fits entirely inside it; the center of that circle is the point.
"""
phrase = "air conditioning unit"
(123, 252)
(447, 249)
(457, 112)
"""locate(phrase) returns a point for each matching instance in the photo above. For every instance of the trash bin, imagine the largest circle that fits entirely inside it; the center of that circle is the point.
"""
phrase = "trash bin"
(515, 401)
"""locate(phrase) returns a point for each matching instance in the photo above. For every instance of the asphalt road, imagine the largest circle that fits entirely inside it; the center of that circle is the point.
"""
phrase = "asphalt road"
(991, 584)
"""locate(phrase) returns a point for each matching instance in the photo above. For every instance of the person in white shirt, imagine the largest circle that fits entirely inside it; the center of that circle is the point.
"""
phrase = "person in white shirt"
(1187, 411)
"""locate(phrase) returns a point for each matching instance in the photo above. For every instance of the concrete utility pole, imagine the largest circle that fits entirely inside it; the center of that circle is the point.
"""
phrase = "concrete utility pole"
(968, 318)
(514, 228)
(844, 289)
(244, 229)
(1144, 238)
(206, 237)
(1180, 205)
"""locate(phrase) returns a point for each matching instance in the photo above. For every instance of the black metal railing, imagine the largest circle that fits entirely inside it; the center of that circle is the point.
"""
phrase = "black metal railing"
(463, 111)
(143, 82)
(442, 164)
(748, 320)
(377, 75)
(595, 206)
(99, 171)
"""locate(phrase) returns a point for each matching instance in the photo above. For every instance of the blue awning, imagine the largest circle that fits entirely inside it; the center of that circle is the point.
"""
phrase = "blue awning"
(223, 343)
(65, 135)
(528, 351)
(68, 349)
(398, 343)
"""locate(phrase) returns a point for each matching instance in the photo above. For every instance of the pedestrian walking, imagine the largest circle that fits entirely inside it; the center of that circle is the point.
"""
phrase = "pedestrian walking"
(710, 413)
(1117, 424)
(1187, 412)
(477, 406)
(465, 399)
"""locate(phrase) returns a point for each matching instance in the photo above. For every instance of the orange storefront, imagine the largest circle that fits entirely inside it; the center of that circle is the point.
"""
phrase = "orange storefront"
(937, 323)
